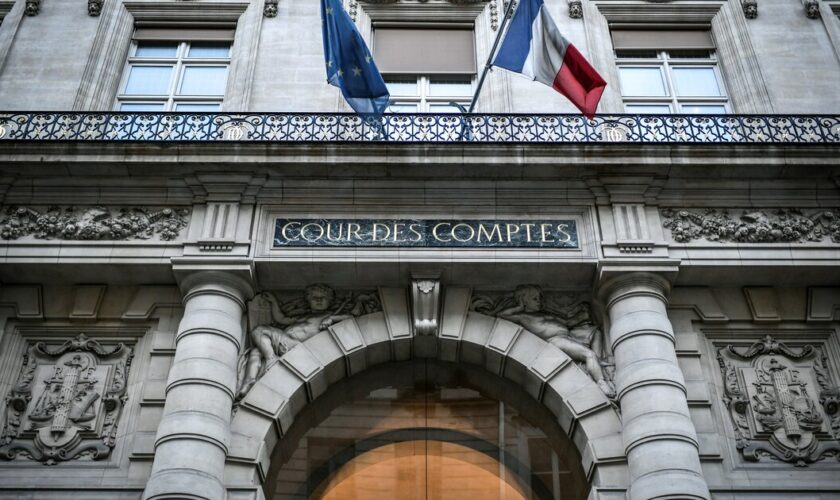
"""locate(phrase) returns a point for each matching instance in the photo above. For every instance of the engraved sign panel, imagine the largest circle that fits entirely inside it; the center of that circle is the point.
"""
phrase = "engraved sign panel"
(420, 233)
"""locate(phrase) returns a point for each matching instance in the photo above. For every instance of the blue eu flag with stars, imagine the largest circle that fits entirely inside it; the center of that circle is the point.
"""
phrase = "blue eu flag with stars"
(350, 66)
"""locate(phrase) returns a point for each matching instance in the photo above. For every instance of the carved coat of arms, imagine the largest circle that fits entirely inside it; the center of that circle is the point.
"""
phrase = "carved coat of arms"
(66, 402)
(782, 401)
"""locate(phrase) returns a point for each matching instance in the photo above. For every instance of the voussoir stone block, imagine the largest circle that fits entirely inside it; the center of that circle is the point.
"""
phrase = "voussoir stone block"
(549, 361)
(289, 385)
(375, 336)
(477, 330)
(524, 351)
(329, 354)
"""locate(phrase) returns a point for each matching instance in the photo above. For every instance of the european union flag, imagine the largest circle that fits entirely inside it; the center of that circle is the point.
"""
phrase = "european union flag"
(350, 66)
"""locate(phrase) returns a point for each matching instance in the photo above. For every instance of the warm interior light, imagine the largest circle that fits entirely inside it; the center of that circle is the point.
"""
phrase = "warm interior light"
(423, 470)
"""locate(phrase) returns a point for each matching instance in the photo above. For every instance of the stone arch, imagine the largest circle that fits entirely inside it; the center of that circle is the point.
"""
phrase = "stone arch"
(498, 346)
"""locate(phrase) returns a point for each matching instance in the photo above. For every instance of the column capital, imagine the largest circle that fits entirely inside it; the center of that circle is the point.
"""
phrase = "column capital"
(616, 281)
(234, 276)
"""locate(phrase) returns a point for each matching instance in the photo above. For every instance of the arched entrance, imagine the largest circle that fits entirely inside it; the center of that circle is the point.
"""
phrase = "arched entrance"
(425, 429)
(283, 403)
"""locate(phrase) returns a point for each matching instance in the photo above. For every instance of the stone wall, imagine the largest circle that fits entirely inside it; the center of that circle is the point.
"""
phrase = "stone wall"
(77, 59)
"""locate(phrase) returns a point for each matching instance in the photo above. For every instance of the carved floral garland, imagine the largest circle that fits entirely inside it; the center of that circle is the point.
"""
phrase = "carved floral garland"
(94, 223)
(752, 226)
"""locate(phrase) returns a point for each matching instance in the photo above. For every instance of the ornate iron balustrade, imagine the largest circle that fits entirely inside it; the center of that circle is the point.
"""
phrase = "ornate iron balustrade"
(418, 128)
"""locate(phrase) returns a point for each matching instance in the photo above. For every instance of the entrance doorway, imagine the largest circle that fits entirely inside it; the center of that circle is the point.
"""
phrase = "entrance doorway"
(422, 430)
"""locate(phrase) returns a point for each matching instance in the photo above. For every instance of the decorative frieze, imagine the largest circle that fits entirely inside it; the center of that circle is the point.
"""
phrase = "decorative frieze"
(66, 402)
(563, 320)
(783, 402)
(92, 223)
(277, 326)
(784, 225)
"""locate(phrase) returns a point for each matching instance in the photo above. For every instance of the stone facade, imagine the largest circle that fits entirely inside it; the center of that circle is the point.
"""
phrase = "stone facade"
(156, 343)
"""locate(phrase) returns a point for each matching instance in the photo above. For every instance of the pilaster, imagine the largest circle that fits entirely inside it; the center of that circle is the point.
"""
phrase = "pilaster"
(658, 434)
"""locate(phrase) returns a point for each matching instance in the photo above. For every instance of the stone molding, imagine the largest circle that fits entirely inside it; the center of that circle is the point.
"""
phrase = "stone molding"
(26, 300)
(11, 13)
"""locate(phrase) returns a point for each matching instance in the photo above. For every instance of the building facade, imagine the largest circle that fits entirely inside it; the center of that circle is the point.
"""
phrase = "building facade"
(216, 283)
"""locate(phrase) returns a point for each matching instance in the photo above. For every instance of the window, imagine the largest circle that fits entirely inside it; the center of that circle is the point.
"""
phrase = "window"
(428, 94)
(427, 69)
(669, 71)
(176, 70)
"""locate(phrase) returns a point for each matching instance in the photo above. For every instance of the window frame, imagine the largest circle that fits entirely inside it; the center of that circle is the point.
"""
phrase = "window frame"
(428, 15)
(665, 62)
(179, 63)
(738, 62)
(101, 81)
(423, 98)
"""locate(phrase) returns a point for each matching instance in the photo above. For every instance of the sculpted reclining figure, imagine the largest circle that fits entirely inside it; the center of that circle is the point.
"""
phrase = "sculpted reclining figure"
(287, 329)
(571, 330)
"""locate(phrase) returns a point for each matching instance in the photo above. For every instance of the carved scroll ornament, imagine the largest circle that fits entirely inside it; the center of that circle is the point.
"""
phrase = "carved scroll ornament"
(560, 319)
(425, 305)
(276, 327)
(92, 223)
(785, 225)
(782, 401)
(67, 401)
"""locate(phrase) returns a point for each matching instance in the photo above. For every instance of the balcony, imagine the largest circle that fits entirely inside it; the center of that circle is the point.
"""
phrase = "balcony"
(417, 128)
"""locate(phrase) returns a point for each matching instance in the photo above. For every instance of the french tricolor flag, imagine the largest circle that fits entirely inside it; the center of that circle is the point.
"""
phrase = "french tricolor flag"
(534, 47)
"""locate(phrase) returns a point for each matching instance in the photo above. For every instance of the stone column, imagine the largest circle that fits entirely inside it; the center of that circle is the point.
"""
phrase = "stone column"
(659, 436)
(194, 432)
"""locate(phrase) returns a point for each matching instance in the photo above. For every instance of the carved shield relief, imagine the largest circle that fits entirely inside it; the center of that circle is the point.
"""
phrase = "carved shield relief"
(782, 401)
(66, 402)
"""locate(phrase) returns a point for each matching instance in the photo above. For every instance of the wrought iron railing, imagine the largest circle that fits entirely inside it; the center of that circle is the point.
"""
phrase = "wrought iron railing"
(417, 128)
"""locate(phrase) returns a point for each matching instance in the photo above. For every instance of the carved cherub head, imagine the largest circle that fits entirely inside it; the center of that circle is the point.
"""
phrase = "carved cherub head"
(529, 297)
(319, 297)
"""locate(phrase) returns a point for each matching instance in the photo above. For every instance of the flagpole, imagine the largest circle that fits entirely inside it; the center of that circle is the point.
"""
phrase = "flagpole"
(508, 15)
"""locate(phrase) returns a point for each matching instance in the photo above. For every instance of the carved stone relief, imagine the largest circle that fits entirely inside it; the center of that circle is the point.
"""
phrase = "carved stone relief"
(277, 326)
(270, 8)
(750, 8)
(812, 9)
(425, 305)
(564, 320)
(95, 7)
(782, 400)
(575, 9)
(93, 223)
(752, 226)
(32, 7)
(66, 402)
